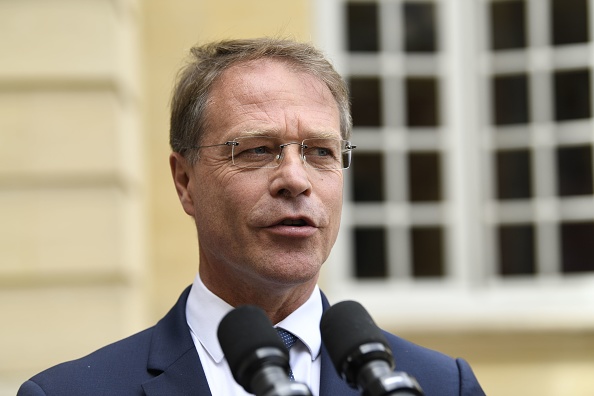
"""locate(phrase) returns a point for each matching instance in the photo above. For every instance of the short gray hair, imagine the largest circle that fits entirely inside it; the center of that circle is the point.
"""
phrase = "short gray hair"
(209, 61)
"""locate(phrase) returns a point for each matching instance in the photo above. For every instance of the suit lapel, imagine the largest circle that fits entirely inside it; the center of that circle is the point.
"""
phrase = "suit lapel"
(330, 382)
(173, 358)
(175, 363)
(184, 377)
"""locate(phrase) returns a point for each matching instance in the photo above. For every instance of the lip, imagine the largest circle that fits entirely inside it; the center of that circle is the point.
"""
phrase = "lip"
(292, 231)
(288, 227)
(295, 221)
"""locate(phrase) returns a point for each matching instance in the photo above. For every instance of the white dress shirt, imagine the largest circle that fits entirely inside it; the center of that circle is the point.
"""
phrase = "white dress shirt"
(205, 310)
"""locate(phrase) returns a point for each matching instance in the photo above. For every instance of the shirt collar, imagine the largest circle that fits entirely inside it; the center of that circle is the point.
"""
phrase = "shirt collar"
(304, 323)
(205, 310)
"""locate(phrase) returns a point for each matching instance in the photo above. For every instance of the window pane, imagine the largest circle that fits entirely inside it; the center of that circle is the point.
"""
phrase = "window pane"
(366, 101)
(577, 247)
(572, 95)
(368, 177)
(362, 27)
(427, 252)
(574, 171)
(514, 179)
(419, 31)
(422, 102)
(508, 25)
(424, 176)
(516, 249)
(569, 21)
(370, 253)
(510, 99)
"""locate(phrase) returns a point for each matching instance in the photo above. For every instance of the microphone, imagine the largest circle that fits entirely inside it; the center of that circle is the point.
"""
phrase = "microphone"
(257, 356)
(361, 354)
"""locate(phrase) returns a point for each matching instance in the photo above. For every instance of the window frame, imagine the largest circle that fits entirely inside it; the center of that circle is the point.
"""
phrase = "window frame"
(471, 296)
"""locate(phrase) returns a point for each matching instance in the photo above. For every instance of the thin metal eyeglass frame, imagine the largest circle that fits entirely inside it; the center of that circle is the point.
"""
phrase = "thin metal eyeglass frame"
(279, 157)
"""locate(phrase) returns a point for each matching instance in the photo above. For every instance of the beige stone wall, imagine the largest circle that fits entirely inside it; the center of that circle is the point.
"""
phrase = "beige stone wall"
(522, 362)
(93, 243)
(72, 190)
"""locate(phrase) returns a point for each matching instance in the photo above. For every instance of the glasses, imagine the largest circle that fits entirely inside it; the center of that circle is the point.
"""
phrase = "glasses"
(268, 152)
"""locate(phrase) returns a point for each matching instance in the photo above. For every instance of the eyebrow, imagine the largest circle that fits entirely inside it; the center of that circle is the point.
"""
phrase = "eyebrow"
(323, 134)
(259, 132)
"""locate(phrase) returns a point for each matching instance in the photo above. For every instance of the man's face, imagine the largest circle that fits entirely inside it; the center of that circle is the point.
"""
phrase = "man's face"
(265, 226)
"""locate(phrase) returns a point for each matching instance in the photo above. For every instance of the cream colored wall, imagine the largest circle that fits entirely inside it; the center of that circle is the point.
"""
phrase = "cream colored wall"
(93, 242)
(72, 258)
(522, 363)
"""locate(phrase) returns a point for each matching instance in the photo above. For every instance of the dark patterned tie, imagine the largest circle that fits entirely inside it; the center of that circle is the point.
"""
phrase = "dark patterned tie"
(289, 340)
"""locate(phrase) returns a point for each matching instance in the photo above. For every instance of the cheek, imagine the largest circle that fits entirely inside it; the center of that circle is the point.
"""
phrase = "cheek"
(231, 199)
(337, 211)
(332, 197)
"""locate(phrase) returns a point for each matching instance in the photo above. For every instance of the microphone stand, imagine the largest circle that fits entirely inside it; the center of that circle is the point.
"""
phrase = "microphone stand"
(376, 378)
(268, 375)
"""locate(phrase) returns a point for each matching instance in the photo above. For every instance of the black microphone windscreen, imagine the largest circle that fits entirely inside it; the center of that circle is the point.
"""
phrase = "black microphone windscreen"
(345, 326)
(243, 331)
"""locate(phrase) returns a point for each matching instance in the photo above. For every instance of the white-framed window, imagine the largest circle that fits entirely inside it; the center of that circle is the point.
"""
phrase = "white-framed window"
(470, 201)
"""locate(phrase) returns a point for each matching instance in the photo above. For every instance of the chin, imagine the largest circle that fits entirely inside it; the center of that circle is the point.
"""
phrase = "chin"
(293, 273)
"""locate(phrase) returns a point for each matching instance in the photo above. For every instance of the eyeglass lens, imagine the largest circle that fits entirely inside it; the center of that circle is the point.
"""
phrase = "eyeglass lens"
(267, 152)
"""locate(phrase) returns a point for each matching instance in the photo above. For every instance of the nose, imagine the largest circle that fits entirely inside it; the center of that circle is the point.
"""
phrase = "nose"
(290, 178)
(281, 152)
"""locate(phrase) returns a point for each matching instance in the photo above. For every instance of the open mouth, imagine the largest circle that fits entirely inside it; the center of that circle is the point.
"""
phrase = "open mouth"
(294, 222)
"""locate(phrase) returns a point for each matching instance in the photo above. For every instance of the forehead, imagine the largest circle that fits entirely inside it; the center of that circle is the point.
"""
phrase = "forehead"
(273, 94)
(272, 69)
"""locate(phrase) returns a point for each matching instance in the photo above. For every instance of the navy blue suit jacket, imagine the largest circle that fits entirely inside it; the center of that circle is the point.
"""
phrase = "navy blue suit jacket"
(162, 360)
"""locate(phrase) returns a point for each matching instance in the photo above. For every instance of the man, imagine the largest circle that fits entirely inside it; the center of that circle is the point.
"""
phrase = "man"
(259, 132)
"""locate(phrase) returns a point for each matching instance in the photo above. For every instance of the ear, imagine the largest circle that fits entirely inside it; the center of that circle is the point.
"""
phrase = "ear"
(182, 172)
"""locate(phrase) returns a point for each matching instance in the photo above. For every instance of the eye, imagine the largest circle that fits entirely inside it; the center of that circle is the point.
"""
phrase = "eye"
(255, 146)
(320, 151)
(254, 151)
(259, 150)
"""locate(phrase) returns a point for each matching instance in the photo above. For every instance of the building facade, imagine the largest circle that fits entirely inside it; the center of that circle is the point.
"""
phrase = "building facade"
(469, 204)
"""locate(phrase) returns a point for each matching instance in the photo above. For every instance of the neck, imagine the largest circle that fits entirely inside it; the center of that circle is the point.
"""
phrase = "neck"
(277, 299)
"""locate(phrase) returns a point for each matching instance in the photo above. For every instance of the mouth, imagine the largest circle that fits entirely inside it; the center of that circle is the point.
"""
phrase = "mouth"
(293, 227)
(294, 222)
